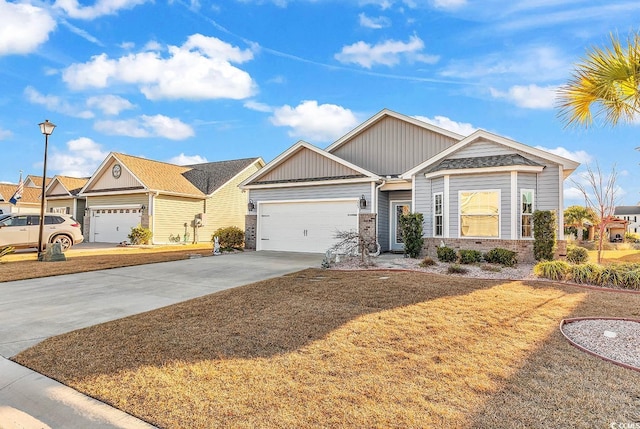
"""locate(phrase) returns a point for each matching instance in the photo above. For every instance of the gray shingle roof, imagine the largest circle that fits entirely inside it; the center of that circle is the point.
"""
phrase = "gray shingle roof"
(482, 162)
(210, 176)
(627, 210)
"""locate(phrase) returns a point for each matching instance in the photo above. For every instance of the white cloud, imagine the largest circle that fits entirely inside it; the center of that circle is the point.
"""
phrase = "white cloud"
(528, 63)
(382, 4)
(529, 97)
(579, 155)
(449, 4)
(109, 104)
(56, 104)
(388, 53)
(100, 7)
(147, 126)
(462, 128)
(23, 27)
(81, 159)
(311, 121)
(5, 134)
(257, 106)
(374, 23)
(199, 69)
(183, 159)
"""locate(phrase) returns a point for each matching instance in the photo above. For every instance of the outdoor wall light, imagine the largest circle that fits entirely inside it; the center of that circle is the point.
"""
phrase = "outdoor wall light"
(363, 202)
(251, 206)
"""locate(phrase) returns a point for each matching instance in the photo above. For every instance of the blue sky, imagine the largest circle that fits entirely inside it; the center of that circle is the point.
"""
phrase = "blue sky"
(194, 81)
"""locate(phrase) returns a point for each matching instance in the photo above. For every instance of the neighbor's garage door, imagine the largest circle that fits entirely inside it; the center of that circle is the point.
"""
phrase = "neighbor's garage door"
(304, 226)
(113, 225)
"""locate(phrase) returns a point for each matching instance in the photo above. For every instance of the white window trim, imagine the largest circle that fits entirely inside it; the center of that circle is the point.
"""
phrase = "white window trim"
(533, 208)
(441, 214)
(499, 192)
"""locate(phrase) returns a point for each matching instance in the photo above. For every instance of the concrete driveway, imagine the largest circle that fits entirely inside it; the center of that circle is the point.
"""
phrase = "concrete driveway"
(32, 310)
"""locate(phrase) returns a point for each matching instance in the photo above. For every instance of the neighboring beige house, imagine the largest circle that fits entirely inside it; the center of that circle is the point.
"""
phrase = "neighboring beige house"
(29, 203)
(62, 196)
(35, 181)
(178, 203)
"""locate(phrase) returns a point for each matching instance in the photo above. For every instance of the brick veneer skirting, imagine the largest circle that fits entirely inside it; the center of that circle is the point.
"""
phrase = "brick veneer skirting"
(523, 248)
(250, 230)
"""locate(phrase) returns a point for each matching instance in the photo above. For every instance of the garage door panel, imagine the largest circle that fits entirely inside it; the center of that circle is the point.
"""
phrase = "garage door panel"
(113, 225)
(304, 226)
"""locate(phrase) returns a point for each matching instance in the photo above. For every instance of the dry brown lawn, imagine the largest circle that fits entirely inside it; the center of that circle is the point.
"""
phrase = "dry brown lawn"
(21, 266)
(355, 349)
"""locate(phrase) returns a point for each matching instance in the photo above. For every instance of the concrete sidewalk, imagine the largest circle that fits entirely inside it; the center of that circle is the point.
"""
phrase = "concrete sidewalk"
(32, 310)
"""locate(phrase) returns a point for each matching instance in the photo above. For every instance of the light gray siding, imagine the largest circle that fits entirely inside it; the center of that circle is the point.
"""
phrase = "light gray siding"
(500, 181)
(354, 190)
(383, 221)
(392, 146)
(425, 189)
(306, 164)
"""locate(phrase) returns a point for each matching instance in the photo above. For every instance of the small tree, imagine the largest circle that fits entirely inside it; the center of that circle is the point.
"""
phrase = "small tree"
(600, 195)
(544, 234)
(354, 243)
(411, 226)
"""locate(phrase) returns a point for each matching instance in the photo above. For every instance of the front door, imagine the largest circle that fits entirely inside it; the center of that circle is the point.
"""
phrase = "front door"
(398, 208)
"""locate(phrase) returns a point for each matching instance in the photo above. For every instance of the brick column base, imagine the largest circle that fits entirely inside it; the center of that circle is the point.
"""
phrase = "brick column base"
(250, 231)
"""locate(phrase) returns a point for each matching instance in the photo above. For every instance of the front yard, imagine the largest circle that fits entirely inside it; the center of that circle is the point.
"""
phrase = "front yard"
(355, 349)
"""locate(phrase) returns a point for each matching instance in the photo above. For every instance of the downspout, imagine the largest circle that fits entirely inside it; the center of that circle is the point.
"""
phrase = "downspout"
(149, 213)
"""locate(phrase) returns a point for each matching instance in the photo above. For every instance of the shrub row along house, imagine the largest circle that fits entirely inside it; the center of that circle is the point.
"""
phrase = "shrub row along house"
(476, 192)
(177, 203)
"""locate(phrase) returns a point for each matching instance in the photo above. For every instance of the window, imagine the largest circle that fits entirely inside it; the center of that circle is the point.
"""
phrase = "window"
(438, 215)
(526, 213)
(480, 213)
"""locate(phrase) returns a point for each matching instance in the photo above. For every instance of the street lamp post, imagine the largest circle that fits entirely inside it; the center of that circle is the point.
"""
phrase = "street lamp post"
(46, 128)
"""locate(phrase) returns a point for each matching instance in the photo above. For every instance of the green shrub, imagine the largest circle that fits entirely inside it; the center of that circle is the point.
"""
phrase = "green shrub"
(4, 251)
(427, 262)
(469, 256)
(140, 235)
(544, 234)
(446, 254)
(611, 275)
(501, 256)
(553, 270)
(577, 255)
(457, 269)
(229, 237)
(411, 225)
(631, 279)
(585, 273)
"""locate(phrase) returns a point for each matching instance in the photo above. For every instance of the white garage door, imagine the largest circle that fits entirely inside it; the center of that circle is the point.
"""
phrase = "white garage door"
(113, 225)
(304, 226)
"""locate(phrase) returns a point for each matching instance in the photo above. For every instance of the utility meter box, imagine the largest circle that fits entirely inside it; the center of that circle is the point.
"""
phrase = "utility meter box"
(201, 219)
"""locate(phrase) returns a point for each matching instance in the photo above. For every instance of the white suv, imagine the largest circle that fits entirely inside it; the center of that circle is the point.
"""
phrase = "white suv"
(21, 230)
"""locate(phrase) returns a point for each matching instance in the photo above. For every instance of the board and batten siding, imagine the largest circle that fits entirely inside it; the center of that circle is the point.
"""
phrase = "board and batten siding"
(392, 146)
(320, 192)
(171, 213)
(228, 205)
(306, 164)
(480, 182)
